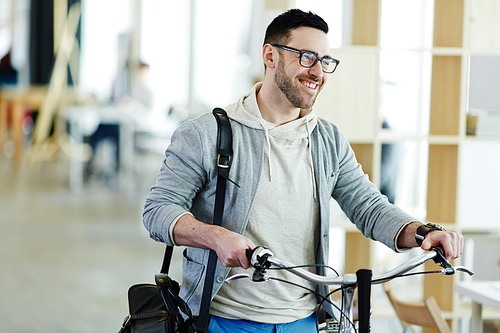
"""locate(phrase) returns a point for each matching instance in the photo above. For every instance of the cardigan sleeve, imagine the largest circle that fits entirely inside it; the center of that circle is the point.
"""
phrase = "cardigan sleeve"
(182, 175)
(363, 203)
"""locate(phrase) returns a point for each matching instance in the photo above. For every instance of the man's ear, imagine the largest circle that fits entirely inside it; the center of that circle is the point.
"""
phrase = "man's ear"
(270, 56)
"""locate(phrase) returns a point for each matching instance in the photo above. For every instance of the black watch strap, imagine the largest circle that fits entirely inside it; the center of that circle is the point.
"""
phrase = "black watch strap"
(424, 229)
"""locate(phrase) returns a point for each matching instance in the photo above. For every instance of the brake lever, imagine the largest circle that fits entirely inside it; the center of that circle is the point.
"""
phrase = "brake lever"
(258, 276)
(237, 277)
(464, 269)
(440, 259)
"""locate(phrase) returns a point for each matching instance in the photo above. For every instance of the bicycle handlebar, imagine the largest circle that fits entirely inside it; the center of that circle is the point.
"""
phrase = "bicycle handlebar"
(262, 258)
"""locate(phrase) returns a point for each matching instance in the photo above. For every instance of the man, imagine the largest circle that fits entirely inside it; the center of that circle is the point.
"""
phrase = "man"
(287, 165)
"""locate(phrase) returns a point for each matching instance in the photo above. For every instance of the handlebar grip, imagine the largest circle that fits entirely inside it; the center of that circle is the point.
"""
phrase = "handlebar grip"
(440, 255)
(249, 253)
(364, 282)
(258, 256)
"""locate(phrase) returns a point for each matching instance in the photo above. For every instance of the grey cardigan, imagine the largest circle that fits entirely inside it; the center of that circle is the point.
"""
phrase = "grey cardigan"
(187, 182)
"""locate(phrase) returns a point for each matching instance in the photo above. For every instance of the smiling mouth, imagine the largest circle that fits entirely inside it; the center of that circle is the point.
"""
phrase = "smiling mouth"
(309, 84)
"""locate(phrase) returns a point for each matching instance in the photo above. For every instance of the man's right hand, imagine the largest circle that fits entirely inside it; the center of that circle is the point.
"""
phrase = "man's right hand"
(230, 246)
(231, 249)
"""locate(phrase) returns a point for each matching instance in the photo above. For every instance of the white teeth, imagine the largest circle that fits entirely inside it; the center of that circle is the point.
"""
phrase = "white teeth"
(309, 84)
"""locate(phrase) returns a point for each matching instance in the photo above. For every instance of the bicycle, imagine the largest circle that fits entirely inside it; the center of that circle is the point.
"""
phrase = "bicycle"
(263, 259)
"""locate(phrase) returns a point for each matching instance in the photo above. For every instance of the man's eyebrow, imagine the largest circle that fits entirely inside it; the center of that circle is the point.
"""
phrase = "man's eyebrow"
(317, 54)
(306, 50)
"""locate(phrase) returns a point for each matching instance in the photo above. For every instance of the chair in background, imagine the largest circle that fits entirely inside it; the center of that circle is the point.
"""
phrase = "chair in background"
(424, 314)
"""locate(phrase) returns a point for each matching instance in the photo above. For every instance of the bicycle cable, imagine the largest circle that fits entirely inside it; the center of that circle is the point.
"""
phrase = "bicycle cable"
(415, 273)
(304, 266)
(323, 298)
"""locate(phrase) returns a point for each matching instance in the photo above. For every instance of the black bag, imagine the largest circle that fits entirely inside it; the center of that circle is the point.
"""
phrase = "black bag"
(159, 309)
(148, 313)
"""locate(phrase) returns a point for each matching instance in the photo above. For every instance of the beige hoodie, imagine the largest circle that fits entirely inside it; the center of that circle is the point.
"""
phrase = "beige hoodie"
(285, 218)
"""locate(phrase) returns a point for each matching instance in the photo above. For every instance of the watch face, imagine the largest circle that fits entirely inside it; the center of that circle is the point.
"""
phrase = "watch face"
(433, 226)
(439, 227)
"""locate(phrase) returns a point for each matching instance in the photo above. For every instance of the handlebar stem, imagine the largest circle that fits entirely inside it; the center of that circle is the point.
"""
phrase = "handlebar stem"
(347, 301)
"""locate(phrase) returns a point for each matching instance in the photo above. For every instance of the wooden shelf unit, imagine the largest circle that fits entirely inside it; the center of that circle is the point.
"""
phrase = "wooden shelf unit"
(351, 100)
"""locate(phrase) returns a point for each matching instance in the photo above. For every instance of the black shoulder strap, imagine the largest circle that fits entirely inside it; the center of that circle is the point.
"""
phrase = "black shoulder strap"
(224, 143)
(166, 259)
(224, 155)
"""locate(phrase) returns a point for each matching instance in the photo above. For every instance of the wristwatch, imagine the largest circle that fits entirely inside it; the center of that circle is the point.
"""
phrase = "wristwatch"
(424, 229)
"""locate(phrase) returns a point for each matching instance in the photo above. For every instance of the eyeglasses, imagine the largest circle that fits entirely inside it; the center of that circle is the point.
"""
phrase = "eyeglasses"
(309, 59)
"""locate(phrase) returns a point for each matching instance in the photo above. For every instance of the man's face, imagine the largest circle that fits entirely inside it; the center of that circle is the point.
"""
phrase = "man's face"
(302, 85)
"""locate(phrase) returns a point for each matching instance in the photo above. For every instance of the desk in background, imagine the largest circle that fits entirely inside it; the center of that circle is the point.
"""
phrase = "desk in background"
(83, 121)
(482, 293)
(18, 100)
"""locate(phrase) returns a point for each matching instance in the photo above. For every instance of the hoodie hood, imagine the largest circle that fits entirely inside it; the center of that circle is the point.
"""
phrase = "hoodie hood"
(246, 112)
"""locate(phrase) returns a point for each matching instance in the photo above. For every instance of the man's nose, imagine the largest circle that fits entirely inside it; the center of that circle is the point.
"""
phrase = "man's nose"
(316, 70)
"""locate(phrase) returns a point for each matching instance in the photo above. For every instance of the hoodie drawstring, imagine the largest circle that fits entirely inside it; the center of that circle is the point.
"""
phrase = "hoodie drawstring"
(269, 154)
(308, 129)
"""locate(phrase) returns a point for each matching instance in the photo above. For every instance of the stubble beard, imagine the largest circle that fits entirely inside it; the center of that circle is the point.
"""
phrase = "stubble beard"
(291, 91)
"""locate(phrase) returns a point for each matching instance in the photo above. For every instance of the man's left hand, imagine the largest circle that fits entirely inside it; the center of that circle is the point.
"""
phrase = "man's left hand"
(452, 243)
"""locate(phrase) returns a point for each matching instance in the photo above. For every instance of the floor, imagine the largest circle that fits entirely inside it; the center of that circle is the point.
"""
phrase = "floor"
(67, 259)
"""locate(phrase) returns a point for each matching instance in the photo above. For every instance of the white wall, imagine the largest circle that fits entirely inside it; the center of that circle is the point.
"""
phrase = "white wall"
(479, 184)
(102, 22)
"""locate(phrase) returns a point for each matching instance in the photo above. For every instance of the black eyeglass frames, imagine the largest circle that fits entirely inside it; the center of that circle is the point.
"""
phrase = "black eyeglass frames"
(309, 59)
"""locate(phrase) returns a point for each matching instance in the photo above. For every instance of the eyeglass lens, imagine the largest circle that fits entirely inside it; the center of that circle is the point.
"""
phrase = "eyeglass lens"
(309, 59)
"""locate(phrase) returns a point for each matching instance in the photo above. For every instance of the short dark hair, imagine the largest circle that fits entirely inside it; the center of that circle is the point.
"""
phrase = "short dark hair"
(280, 29)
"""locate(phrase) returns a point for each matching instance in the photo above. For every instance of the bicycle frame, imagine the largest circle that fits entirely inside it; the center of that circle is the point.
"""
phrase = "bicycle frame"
(262, 258)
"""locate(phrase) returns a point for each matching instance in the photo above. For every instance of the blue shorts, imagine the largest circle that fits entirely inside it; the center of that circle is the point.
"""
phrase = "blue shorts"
(222, 325)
